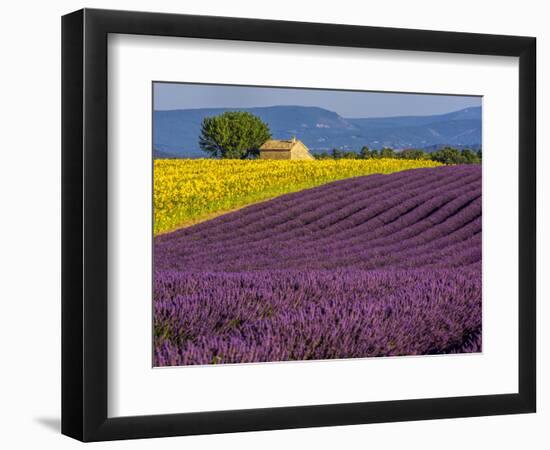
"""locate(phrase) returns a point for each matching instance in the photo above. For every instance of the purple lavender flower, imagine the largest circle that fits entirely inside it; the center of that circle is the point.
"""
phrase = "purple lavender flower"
(382, 265)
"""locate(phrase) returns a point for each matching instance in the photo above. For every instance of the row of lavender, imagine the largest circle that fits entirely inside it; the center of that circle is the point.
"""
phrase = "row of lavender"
(370, 266)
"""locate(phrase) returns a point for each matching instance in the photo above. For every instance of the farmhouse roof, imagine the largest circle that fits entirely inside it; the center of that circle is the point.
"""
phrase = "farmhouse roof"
(277, 144)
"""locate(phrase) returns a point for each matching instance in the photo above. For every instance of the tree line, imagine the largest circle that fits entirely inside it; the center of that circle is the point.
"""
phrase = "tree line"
(446, 155)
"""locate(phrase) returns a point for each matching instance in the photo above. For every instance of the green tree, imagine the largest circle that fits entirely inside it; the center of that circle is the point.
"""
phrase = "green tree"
(469, 156)
(233, 135)
(321, 155)
(387, 153)
(412, 154)
(448, 155)
(349, 155)
(365, 153)
(337, 153)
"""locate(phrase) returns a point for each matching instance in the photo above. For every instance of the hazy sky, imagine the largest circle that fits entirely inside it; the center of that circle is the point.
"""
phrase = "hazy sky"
(346, 103)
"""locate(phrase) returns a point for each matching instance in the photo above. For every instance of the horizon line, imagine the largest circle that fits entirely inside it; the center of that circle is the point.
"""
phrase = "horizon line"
(318, 107)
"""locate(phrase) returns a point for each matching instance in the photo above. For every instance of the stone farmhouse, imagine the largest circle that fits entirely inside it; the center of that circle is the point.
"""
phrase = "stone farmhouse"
(278, 149)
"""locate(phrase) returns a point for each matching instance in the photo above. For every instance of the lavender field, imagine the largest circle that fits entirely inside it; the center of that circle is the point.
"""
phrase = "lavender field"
(381, 265)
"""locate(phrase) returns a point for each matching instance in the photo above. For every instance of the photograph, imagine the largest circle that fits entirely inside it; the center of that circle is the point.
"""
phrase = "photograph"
(294, 224)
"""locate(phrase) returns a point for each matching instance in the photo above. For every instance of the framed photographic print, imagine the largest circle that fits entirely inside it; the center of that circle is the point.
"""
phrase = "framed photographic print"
(274, 225)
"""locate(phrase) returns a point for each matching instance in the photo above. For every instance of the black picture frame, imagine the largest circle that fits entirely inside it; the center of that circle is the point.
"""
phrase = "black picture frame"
(84, 224)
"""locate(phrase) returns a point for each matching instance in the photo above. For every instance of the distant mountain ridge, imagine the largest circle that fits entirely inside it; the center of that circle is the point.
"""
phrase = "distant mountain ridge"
(176, 132)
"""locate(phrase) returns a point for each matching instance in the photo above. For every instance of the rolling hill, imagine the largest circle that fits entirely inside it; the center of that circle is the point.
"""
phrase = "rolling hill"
(176, 132)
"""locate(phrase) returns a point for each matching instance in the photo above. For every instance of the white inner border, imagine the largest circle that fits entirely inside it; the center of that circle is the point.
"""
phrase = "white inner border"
(135, 388)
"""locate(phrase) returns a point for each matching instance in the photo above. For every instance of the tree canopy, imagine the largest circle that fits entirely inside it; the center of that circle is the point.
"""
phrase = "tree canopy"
(449, 155)
(445, 155)
(233, 135)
